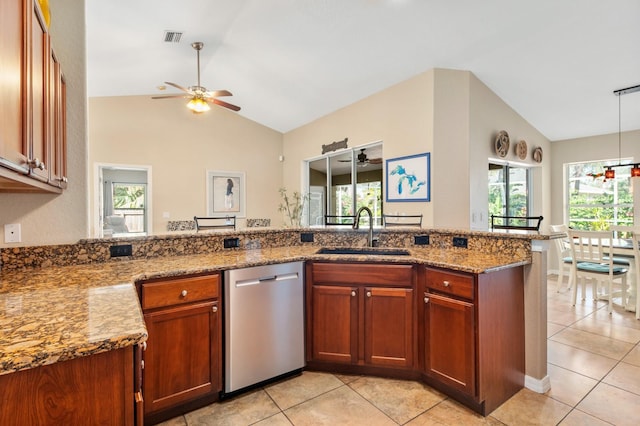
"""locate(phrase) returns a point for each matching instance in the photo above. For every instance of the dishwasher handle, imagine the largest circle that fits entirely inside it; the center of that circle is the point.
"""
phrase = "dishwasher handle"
(271, 278)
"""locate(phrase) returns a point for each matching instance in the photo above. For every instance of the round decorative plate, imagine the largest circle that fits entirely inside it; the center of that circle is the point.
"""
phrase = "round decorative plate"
(502, 143)
(537, 155)
(521, 150)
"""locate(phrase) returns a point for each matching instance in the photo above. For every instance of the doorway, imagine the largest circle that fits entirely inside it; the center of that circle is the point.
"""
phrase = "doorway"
(122, 206)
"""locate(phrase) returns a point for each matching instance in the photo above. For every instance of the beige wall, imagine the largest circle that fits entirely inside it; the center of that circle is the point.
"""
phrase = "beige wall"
(46, 218)
(180, 147)
(488, 115)
(449, 113)
(400, 116)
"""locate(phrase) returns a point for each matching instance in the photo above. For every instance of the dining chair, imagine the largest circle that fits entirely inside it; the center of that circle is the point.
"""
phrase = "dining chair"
(565, 259)
(635, 239)
(590, 252)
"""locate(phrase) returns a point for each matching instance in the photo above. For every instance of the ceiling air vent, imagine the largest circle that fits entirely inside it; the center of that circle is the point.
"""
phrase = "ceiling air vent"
(172, 36)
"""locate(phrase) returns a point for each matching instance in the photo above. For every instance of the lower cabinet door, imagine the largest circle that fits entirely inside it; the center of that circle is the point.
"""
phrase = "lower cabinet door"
(182, 360)
(389, 327)
(335, 324)
(450, 342)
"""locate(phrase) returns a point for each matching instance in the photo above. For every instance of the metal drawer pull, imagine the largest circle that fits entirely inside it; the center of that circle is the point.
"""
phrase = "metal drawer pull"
(446, 283)
(214, 309)
(353, 292)
(183, 293)
(426, 300)
(368, 294)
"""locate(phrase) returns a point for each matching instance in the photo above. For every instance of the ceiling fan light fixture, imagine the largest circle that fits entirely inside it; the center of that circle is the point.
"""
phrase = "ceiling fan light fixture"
(635, 170)
(198, 105)
(609, 173)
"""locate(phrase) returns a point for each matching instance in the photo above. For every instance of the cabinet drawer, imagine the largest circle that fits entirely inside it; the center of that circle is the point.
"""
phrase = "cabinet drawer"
(179, 290)
(362, 273)
(452, 283)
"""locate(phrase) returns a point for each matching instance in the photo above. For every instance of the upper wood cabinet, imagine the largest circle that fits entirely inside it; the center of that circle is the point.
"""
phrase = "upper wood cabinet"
(33, 101)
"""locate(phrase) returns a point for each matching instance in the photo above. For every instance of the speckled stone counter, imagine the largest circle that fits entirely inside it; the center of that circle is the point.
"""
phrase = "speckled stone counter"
(57, 313)
(52, 310)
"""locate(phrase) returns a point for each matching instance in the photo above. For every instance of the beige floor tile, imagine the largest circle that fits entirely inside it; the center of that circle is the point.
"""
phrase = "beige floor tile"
(579, 360)
(619, 317)
(241, 410)
(401, 400)
(567, 386)
(531, 408)
(633, 357)
(625, 376)
(347, 378)
(449, 412)
(301, 388)
(595, 343)
(176, 421)
(341, 406)
(553, 328)
(612, 405)
(276, 420)
(605, 327)
(578, 418)
(563, 304)
(562, 317)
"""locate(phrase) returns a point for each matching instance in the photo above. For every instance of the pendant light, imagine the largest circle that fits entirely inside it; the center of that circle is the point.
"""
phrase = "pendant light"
(609, 172)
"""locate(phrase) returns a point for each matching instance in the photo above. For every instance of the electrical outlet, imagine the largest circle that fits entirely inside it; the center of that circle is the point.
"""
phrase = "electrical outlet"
(12, 233)
(231, 242)
(460, 242)
(121, 250)
(421, 240)
(306, 237)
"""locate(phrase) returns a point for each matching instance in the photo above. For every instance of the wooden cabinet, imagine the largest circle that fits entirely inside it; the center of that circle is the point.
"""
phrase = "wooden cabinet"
(33, 100)
(97, 388)
(182, 361)
(472, 335)
(360, 314)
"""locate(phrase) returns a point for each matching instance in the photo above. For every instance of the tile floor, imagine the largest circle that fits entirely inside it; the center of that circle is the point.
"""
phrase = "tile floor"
(593, 363)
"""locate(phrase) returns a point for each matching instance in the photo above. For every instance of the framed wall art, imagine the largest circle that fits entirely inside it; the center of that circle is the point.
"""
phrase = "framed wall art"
(226, 194)
(409, 178)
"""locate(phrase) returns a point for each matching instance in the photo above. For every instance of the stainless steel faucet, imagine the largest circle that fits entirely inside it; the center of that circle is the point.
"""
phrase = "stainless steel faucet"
(356, 223)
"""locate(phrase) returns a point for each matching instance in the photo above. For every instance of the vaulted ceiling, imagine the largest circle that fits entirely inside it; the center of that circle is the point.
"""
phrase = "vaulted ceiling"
(288, 62)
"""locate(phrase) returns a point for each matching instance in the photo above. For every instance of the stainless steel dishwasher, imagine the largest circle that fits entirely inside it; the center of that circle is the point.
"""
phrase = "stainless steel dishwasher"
(264, 324)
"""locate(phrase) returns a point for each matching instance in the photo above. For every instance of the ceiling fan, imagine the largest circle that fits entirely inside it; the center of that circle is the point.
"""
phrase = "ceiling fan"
(199, 95)
(363, 160)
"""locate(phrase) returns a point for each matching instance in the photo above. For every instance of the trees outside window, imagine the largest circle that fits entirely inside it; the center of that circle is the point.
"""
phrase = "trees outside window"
(595, 203)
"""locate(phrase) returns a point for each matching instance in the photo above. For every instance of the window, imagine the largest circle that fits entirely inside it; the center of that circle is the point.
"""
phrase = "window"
(129, 200)
(350, 179)
(508, 191)
(595, 203)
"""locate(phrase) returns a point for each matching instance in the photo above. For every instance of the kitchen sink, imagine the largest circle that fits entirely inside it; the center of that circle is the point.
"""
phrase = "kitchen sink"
(363, 251)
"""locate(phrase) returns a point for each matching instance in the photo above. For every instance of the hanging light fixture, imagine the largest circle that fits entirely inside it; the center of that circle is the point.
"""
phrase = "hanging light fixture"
(198, 105)
(609, 172)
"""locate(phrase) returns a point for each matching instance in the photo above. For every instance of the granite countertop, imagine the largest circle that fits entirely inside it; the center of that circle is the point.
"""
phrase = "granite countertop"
(57, 313)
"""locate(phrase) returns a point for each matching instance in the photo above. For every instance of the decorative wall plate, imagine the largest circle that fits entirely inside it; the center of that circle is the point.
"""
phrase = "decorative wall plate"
(521, 150)
(537, 155)
(502, 143)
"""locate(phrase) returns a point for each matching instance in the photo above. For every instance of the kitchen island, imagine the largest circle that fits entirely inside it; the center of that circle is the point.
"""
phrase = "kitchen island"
(55, 313)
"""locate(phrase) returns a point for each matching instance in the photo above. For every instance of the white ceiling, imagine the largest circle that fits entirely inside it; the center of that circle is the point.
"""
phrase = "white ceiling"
(288, 62)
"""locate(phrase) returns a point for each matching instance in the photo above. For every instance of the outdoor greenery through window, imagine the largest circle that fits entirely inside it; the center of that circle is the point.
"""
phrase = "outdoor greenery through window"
(595, 203)
(508, 192)
(129, 201)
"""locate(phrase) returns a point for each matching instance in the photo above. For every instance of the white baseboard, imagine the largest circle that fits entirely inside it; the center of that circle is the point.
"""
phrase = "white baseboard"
(537, 385)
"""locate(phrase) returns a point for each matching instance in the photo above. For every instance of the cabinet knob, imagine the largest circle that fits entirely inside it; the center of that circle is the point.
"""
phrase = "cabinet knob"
(144, 346)
(183, 293)
(353, 292)
(446, 283)
(426, 300)
(35, 163)
(368, 294)
(214, 309)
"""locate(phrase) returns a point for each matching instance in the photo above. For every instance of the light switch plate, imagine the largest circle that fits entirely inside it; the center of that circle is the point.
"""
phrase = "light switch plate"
(12, 233)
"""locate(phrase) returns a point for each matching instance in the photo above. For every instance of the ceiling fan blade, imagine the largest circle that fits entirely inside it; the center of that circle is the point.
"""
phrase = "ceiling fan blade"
(225, 104)
(217, 93)
(170, 96)
(375, 160)
(177, 86)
